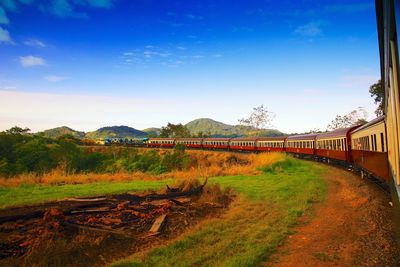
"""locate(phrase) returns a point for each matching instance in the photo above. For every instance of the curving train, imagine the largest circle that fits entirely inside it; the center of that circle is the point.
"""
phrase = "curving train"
(361, 147)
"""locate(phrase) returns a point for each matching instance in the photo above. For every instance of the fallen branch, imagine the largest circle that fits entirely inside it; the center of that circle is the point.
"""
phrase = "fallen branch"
(85, 199)
(158, 224)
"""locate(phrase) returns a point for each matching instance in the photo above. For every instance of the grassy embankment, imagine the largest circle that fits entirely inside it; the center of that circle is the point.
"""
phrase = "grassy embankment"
(32, 193)
(31, 189)
(269, 203)
(257, 222)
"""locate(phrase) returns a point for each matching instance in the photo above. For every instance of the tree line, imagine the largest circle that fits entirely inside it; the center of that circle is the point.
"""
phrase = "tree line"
(22, 152)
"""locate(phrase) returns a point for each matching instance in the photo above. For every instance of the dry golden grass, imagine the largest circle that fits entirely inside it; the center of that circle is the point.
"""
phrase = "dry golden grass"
(202, 164)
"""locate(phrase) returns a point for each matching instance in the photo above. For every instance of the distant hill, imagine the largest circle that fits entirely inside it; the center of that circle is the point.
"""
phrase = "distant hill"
(152, 131)
(116, 132)
(59, 131)
(219, 129)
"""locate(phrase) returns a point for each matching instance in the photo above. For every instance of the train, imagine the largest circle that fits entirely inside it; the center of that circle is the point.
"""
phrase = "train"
(362, 147)
(387, 12)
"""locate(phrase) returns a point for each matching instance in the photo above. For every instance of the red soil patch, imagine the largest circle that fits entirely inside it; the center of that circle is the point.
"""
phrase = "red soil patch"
(353, 227)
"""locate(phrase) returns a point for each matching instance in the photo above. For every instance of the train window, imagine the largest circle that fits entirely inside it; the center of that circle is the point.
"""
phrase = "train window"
(372, 142)
(382, 143)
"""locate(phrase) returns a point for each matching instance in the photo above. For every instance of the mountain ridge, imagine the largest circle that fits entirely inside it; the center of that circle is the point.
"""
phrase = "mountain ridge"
(206, 126)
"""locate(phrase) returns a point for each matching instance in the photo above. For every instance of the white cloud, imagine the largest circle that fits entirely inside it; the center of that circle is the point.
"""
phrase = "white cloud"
(8, 88)
(181, 48)
(312, 29)
(191, 16)
(3, 17)
(218, 55)
(128, 54)
(54, 78)
(30, 61)
(35, 42)
(39, 111)
(5, 36)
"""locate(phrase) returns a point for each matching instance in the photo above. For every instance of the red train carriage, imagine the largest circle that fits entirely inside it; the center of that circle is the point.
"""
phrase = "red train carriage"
(271, 144)
(301, 144)
(161, 142)
(216, 143)
(243, 144)
(335, 144)
(369, 149)
(190, 142)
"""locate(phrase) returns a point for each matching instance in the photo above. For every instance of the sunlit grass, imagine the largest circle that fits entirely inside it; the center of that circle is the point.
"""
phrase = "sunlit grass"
(258, 221)
(202, 164)
(31, 194)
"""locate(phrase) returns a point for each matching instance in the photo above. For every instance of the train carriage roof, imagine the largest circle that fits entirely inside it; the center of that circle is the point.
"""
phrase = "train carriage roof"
(281, 138)
(342, 132)
(249, 139)
(380, 119)
(301, 137)
(161, 138)
(189, 139)
(217, 139)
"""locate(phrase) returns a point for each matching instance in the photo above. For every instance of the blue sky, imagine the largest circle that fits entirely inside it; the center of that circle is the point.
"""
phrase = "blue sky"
(143, 63)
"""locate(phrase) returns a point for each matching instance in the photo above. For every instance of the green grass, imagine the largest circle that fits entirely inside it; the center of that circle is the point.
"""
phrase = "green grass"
(30, 194)
(255, 225)
(258, 221)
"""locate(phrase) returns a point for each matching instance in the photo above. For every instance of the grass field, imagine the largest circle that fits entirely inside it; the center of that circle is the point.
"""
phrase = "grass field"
(257, 222)
(32, 193)
(269, 202)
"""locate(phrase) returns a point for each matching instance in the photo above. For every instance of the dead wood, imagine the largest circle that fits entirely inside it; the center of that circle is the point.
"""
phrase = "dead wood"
(85, 199)
(158, 224)
(116, 233)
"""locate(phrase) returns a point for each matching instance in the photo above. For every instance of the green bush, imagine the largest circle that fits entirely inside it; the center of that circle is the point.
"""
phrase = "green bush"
(24, 153)
(289, 164)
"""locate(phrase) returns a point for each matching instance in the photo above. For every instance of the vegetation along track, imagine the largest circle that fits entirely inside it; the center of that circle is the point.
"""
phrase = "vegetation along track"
(258, 227)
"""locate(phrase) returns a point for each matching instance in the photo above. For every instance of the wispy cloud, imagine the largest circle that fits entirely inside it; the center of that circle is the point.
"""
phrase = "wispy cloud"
(5, 36)
(58, 8)
(31, 61)
(3, 16)
(54, 78)
(357, 81)
(32, 108)
(194, 17)
(311, 29)
(181, 48)
(34, 42)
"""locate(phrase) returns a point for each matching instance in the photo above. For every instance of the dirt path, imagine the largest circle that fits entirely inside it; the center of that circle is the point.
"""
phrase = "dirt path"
(353, 227)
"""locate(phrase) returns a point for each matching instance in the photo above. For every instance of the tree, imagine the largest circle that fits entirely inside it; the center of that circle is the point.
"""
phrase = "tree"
(203, 134)
(356, 117)
(378, 93)
(17, 130)
(174, 131)
(260, 118)
(313, 131)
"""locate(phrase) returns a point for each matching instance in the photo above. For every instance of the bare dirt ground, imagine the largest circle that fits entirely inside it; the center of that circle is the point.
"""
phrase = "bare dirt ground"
(353, 227)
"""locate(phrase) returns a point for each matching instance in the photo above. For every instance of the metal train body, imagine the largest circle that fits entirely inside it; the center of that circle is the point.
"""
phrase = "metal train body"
(387, 14)
(361, 147)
